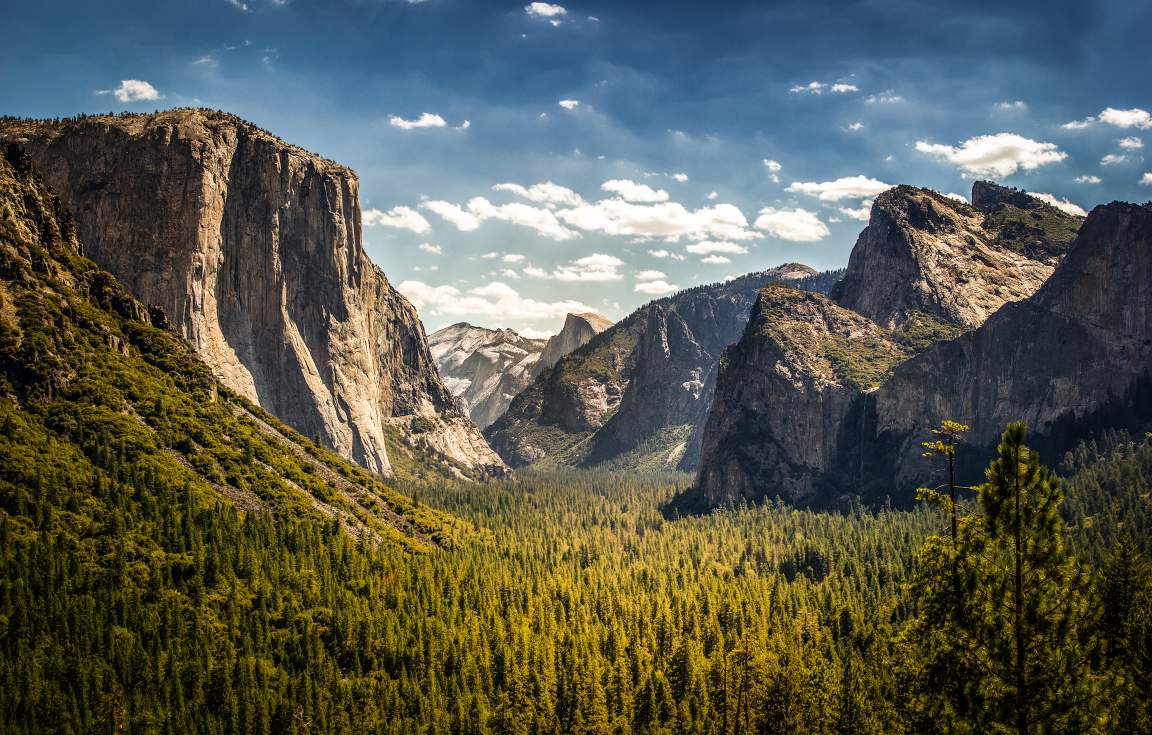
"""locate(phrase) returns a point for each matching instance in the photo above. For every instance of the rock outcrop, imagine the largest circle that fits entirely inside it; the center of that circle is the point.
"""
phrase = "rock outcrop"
(637, 393)
(577, 331)
(484, 368)
(785, 392)
(253, 249)
(1063, 359)
(925, 254)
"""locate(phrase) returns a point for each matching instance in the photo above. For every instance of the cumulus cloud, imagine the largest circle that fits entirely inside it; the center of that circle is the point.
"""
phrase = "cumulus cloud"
(495, 300)
(662, 253)
(479, 209)
(649, 275)
(1002, 154)
(670, 221)
(847, 187)
(426, 120)
(630, 191)
(794, 225)
(1130, 143)
(1146, 179)
(715, 259)
(1062, 204)
(133, 90)
(1133, 118)
(1088, 179)
(842, 88)
(656, 288)
(861, 213)
(1112, 159)
(957, 197)
(545, 10)
(680, 177)
(713, 196)
(711, 247)
(772, 165)
(597, 267)
(430, 248)
(855, 127)
(1012, 106)
(545, 193)
(569, 104)
(402, 217)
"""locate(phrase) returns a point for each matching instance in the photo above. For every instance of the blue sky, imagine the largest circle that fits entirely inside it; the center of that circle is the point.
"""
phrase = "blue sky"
(673, 143)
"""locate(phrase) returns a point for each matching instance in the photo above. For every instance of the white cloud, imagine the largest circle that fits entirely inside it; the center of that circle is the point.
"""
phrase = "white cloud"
(715, 259)
(711, 247)
(809, 88)
(512, 258)
(1146, 179)
(1012, 105)
(426, 120)
(888, 97)
(713, 196)
(848, 187)
(430, 248)
(856, 126)
(402, 217)
(1062, 204)
(630, 191)
(772, 165)
(1002, 154)
(569, 104)
(668, 220)
(1133, 118)
(1088, 179)
(133, 90)
(508, 273)
(821, 87)
(680, 177)
(650, 275)
(545, 10)
(661, 253)
(495, 300)
(545, 193)
(241, 6)
(480, 209)
(957, 197)
(425, 268)
(454, 214)
(1131, 143)
(1112, 159)
(597, 267)
(795, 225)
(861, 213)
(656, 288)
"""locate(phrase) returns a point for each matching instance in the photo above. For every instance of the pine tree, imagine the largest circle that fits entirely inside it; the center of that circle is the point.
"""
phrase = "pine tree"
(1025, 638)
(1126, 626)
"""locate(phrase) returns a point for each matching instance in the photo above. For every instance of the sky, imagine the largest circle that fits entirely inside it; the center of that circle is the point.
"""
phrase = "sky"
(520, 161)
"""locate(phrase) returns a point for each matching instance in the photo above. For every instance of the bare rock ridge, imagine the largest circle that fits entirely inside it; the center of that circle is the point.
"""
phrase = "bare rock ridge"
(925, 254)
(635, 394)
(1071, 358)
(253, 248)
(577, 330)
(484, 368)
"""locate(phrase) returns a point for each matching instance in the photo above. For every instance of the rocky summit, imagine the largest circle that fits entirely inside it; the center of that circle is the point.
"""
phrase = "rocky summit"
(253, 249)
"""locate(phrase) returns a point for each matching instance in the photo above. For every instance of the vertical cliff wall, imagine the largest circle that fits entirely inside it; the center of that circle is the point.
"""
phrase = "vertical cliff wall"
(253, 248)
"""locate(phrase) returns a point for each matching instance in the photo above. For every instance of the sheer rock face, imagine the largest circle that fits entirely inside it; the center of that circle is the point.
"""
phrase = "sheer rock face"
(925, 253)
(1084, 338)
(644, 385)
(578, 330)
(484, 368)
(253, 248)
(784, 392)
(780, 427)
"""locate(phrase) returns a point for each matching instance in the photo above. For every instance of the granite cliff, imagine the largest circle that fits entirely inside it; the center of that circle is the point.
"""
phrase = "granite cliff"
(578, 329)
(252, 247)
(636, 394)
(812, 418)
